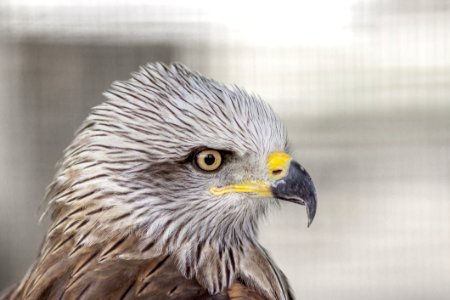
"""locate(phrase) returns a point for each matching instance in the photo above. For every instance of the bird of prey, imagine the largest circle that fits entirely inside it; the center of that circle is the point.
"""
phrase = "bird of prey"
(160, 192)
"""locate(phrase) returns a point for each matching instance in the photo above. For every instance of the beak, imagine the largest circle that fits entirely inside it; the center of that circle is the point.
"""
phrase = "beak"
(297, 186)
(288, 181)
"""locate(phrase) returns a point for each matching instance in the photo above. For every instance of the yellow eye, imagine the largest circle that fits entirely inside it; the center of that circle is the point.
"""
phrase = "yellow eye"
(208, 160)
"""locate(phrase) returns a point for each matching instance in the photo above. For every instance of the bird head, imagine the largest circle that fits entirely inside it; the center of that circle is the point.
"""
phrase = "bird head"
(177, 158)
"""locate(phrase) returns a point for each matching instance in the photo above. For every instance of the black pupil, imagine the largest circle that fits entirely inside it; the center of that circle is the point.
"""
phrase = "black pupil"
(209, 159)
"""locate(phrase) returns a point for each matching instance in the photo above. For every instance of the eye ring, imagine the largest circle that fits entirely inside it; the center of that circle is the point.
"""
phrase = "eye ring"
(208, 160)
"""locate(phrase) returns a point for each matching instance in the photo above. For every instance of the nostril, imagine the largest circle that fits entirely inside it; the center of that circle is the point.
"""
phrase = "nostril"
(276, 172)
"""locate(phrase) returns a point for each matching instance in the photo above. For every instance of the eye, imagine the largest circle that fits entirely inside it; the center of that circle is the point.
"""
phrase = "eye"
(208, 160)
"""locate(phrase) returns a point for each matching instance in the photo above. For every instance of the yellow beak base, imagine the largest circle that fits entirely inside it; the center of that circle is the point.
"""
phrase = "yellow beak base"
(260, 188)
(277, 166)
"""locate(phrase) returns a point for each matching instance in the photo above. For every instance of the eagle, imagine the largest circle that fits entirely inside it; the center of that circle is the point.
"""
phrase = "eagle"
(160, 192)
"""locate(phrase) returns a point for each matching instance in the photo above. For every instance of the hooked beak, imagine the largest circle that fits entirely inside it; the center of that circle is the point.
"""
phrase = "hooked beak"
(288, 181)
(297, 186)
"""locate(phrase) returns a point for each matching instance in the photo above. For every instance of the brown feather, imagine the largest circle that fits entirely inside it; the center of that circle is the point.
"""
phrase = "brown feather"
(239, 291)
(98, 273)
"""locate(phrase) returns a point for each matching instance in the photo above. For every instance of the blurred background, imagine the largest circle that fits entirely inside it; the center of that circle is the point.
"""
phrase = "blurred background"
(362, 85)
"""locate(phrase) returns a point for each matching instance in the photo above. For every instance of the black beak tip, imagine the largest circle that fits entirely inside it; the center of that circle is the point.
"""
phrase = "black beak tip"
(310, 216)
(297, 187)
(311, 205)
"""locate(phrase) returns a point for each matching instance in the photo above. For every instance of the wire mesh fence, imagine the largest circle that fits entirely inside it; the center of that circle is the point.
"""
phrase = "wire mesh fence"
(363, 87)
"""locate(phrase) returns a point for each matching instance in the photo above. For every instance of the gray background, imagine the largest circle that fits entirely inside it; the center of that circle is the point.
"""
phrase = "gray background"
(363, 86)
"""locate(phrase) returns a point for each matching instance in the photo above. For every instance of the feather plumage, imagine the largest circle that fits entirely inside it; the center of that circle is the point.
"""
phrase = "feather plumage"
(131, 219)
